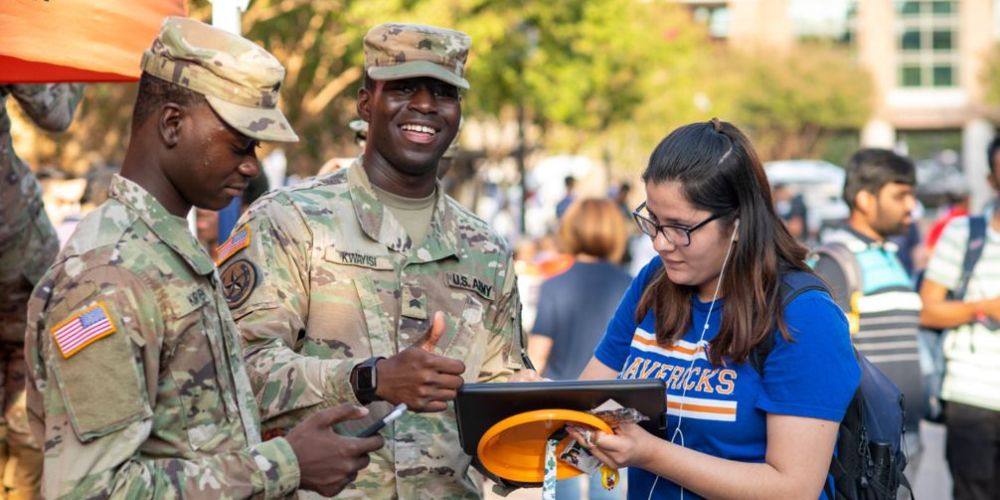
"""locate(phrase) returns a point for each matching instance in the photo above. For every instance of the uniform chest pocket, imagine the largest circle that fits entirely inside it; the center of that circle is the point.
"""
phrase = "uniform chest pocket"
(467, 337)
(193, 355)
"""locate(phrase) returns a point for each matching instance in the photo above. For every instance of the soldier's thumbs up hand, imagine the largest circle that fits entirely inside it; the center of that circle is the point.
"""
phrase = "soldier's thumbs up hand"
(416, 376)
(433, 335)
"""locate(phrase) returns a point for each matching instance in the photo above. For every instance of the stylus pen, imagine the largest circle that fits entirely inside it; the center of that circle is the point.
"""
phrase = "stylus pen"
(380, 423)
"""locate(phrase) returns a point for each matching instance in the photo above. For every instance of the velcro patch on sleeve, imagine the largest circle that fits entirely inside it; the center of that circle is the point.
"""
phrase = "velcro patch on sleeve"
(238, 281)
(238, 241)
(82, 329)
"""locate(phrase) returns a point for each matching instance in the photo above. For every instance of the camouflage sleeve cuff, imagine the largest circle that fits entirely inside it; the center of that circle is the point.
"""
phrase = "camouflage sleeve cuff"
(278, 467)
(339, 383)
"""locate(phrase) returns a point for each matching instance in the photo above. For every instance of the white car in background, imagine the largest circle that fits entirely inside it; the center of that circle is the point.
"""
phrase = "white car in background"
(821, 185)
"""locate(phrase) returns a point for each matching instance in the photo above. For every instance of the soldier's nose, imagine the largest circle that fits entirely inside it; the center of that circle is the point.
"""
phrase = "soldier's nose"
(249, 167)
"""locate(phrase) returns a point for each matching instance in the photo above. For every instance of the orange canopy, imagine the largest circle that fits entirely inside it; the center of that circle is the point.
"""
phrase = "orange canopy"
(78, 40)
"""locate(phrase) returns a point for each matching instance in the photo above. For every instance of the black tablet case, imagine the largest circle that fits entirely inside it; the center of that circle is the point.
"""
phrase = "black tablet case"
(479, 406)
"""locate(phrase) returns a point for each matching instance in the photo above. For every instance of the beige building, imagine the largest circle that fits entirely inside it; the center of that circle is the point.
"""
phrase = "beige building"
(926, 58)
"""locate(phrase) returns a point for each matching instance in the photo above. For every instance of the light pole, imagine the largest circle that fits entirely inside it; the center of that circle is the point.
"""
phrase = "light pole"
(530, 33)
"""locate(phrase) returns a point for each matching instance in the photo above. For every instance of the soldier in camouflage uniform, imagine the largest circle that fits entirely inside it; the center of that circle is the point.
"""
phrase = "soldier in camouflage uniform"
(28, 245)
(335, 283)
(137, 383)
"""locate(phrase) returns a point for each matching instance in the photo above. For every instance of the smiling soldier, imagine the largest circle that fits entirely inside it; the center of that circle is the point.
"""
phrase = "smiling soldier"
(351, 268)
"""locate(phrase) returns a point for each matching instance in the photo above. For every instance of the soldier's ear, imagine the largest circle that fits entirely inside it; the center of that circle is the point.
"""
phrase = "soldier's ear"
(364, 104)
(169, 123)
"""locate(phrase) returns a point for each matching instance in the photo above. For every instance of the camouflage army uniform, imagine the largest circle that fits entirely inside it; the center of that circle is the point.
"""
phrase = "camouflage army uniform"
(334, 280)
(28, 245)
(161, 407)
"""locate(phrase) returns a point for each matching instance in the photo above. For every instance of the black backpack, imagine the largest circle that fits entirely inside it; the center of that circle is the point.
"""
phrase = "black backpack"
(868, 460)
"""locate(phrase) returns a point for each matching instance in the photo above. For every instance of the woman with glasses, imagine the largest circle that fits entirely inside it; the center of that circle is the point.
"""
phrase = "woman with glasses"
(694, 316)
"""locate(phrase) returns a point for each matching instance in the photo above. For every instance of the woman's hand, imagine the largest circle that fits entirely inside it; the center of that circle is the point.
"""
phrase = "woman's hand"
(627, 447)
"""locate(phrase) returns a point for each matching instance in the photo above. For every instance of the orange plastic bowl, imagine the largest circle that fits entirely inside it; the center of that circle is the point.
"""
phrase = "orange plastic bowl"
(514, 448)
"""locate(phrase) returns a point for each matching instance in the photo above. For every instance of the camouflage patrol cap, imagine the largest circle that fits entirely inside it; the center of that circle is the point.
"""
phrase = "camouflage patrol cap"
(397, 51)
(239, 79)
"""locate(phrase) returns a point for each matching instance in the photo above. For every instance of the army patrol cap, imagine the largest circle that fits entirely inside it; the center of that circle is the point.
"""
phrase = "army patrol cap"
(239, 79)
(398, 51)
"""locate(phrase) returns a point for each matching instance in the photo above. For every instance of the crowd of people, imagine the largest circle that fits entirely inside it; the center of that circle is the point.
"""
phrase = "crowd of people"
(150, 361)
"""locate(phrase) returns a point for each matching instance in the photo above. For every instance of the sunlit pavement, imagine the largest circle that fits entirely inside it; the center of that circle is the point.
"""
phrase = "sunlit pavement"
(932, 481)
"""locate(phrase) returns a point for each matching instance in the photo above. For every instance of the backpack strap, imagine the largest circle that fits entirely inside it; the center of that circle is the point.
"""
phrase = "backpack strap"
(793, 284)
(973, 251)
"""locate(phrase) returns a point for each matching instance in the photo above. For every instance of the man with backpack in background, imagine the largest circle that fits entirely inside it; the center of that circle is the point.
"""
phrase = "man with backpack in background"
(871, 285)
(961, 293)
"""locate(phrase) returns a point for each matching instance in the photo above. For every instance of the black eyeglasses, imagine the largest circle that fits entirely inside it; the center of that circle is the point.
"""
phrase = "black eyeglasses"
(676, 234)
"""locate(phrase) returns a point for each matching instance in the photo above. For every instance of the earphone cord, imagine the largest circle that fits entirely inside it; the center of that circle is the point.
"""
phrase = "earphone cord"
(678, 433)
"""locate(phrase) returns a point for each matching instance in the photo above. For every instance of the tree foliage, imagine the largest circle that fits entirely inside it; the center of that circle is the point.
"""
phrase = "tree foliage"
(791, 103)
(607, 78)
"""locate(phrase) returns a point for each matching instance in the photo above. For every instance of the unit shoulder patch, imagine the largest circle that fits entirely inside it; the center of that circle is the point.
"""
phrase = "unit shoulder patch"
(238, 281)
(82, 329)
(238, 241)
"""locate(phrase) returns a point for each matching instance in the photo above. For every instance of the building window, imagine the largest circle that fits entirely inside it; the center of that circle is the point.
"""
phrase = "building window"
(715, 17)
(928, 43)
(826, 21)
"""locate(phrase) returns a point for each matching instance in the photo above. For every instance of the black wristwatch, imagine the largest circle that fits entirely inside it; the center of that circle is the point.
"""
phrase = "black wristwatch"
(364, 380)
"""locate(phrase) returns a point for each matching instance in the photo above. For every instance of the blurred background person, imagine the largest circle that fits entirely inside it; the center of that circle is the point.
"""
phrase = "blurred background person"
(971, 314)
(567, 200)
(621, 199)
(869, 280)
(910, 246)
(792, 210)
(206, 229)
(958, 206)
(28, 245)
(574, 306)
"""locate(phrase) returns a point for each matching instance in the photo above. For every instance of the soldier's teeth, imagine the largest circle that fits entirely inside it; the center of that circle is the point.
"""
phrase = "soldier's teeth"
(418, 128)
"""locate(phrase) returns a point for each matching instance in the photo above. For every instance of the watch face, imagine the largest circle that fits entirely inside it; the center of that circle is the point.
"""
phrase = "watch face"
(366, 378)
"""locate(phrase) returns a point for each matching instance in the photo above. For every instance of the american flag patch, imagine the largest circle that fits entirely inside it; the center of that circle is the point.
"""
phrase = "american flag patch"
(83, 329)
(235, 243)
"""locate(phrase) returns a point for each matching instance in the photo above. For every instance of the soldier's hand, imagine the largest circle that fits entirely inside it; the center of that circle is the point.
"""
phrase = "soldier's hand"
(416, 376)
(328, 462)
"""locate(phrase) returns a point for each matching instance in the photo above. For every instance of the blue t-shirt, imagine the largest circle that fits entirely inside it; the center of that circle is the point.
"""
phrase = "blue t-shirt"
(723, 409)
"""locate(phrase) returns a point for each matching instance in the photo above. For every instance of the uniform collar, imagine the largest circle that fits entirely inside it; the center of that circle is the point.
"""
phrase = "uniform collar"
(170, 229)
(380, 225)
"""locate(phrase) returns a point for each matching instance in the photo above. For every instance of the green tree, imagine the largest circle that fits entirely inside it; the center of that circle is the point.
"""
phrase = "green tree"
(792, 103)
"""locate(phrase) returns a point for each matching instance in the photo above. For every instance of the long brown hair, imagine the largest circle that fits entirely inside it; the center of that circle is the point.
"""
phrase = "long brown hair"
(720, 172)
